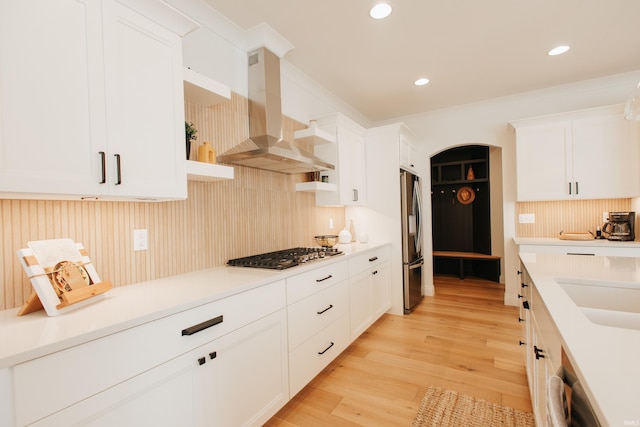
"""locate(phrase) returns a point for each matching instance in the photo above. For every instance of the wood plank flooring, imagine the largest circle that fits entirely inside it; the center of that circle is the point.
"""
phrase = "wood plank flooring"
(463, 338)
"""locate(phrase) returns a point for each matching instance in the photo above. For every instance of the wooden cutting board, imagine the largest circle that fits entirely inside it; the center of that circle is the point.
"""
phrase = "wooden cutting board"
(576, 236)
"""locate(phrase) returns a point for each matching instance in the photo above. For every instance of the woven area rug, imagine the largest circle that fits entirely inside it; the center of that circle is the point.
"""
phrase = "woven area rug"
(441, 408)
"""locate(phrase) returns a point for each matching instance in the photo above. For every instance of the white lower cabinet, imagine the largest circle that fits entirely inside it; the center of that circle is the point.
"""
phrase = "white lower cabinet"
(369, 289)
(235, 361)
(543, 356)
(245, 375)
(163, 396)
(318, 313)
(240, 379)
(312, 356)
(221, 363)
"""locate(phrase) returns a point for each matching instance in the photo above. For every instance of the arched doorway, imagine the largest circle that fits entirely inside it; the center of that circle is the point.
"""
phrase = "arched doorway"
(461, 212)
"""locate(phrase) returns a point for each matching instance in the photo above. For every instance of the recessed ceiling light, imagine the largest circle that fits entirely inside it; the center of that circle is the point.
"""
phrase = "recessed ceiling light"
(558, 50)
(381, 10)
(421, 82)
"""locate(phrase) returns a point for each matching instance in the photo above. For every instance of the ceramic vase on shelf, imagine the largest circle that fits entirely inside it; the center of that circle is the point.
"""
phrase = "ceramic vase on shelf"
(344, 236)
(206, 153)
(470, 175)
(352, 231)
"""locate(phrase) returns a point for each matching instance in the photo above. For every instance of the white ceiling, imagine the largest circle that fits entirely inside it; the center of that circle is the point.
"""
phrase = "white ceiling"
(470, 50)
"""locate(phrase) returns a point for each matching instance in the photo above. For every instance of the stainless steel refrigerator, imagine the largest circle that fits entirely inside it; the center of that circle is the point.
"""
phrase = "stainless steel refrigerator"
(412, 260)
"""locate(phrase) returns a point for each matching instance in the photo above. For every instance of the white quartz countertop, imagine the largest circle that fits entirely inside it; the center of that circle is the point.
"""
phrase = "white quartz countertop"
(603, 243)
(606, 358)
(34, 335)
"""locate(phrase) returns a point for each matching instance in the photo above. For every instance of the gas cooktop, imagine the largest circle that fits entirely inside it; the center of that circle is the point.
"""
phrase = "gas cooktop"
(280, 260)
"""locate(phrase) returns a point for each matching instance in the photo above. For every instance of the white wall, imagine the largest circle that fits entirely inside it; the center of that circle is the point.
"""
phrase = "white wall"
(486, 123)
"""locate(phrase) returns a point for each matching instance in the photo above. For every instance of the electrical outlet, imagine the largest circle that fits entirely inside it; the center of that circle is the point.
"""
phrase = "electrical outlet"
(140, 240)
(330, 223)
(527, 218)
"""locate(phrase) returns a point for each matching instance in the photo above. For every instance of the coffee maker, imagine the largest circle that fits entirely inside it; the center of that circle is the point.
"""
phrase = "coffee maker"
(620, 226)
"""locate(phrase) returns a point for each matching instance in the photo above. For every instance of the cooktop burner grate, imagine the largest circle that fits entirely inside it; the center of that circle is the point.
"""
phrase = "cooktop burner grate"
(287, 258)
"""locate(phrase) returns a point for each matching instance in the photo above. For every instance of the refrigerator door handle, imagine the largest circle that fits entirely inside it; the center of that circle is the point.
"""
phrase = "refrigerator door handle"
(416, 263)
(417, 211)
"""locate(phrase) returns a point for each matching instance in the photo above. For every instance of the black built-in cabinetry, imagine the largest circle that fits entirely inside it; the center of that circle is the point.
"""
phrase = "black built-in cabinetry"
(457, 226)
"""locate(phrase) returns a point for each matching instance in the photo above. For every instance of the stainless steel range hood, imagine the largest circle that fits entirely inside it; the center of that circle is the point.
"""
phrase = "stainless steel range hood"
(265, 148)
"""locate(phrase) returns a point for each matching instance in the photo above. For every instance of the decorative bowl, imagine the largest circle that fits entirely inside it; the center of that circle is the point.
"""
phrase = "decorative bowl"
(327, 240)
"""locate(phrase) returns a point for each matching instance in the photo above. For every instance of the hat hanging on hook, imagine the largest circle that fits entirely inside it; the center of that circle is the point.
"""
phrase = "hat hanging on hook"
(466, 195)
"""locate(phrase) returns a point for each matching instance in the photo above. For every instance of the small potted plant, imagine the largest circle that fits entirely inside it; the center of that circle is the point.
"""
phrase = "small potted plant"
(190, 135)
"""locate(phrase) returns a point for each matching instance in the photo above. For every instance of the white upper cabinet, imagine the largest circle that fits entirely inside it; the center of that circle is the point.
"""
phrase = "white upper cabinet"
(408, 152)
(145, 106)
(90, 102)
(52, 107)
(591, 154)
(348, 157)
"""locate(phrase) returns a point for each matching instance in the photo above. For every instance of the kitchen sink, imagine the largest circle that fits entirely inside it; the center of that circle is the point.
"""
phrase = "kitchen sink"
(606, 303)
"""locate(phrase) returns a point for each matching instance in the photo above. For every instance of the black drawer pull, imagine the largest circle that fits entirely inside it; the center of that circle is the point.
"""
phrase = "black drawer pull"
(522, 342)
(324, 278)
(520, 319)
(374, 258)
(519, 296)
(576, 253)
(202, 326)
(523, 285)
(213, 355)
(202, 361)
(326, 349)
(326, 309)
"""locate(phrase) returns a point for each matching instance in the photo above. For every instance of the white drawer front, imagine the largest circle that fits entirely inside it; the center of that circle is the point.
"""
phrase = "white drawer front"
(306, 361)
(372, 258)
(305, 284)
(310, 315)
(50, 383)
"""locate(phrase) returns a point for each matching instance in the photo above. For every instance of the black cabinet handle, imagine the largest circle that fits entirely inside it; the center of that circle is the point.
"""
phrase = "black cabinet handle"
(118, 171)
(213, 355)
(326, 309)
(324, 278)
(326, 349)
(103, 162)
(519, 296)
(538, 352)
(525, 304)
(374, 272)
(570, 188)
(202, 361)
(577, 191)
(519, 272)
(374, 258)
(202, 326)
(523, 285)
(522, 342)
(520, 319)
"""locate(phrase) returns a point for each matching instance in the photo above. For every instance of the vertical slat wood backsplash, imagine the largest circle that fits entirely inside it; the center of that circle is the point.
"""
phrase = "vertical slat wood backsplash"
(572, 216)
(258, 211)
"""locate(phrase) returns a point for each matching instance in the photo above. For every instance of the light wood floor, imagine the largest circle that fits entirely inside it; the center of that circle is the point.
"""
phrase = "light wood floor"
(463, 338)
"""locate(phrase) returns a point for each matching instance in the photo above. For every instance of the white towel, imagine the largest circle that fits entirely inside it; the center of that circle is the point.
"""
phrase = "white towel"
(557, 402)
